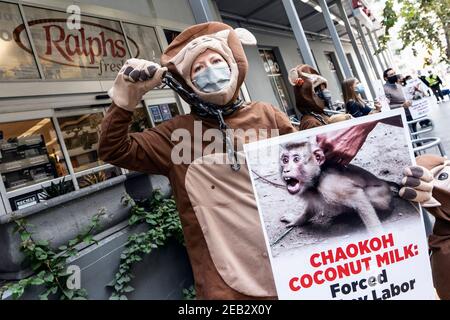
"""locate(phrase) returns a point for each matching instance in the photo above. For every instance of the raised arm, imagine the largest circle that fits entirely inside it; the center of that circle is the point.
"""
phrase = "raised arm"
(148, 151)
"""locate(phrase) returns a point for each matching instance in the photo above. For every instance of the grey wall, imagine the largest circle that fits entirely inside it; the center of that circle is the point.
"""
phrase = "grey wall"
(258, 84)
(176, 11)
(140, 7)
(173, 10)
(161, 275)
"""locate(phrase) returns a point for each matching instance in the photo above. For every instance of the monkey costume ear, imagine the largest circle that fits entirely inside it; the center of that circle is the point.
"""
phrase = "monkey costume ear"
(245, 36)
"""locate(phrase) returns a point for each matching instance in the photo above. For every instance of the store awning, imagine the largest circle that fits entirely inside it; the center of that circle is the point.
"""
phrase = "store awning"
(271, 13)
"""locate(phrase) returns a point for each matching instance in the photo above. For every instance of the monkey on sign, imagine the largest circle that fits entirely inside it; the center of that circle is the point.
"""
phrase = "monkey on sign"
(336, 189)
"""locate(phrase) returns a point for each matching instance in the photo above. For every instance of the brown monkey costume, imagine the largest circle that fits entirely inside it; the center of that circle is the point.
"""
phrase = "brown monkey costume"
(439, 240)
(306, 80)
(217, 208)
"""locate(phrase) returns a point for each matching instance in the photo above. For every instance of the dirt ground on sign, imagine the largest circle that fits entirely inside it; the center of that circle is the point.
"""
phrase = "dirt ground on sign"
(384, 154)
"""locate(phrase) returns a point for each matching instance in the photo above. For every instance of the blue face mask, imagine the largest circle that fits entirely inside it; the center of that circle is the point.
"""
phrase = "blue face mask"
(213, 79)
(359, 88)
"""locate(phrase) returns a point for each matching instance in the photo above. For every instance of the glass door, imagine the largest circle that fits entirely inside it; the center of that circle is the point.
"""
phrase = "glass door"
(273, 71)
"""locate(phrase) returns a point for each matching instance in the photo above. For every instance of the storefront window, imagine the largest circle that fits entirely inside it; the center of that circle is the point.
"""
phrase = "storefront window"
(273, 71)
(97, 50)
(333, 65)
(15, 62)
(171, 35)
(30, 153)
(147, 46)
(81, 136)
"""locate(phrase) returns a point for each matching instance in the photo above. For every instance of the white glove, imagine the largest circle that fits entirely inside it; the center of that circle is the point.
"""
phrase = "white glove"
(135, 79)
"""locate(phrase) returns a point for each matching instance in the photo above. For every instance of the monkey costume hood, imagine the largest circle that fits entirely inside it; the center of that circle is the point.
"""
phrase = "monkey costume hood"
(181, 53)
(305, 79)
(439, 240)
(218, 212)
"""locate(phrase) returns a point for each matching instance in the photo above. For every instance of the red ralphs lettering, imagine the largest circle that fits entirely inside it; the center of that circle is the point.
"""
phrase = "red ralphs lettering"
(51, 41)
(63, 46)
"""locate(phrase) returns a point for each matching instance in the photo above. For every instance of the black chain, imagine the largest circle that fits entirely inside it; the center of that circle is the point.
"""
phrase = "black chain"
(209, 110)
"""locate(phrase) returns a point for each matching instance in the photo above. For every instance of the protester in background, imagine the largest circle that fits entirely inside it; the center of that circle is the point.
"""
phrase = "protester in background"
(406, 79)
(394, 92)
(424, 80)
(434, 82)
(354, 103)
(312, 97)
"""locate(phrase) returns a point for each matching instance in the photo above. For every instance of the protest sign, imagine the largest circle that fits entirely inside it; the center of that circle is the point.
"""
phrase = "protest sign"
(415, 92)
(341, 231)
(380, 95)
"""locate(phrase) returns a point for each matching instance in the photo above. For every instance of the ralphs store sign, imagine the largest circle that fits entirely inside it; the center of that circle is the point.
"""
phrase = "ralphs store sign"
(95, 49)
(91, 42)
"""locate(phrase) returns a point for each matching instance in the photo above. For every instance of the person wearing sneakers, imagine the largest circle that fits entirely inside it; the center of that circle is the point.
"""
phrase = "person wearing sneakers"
(224, 238)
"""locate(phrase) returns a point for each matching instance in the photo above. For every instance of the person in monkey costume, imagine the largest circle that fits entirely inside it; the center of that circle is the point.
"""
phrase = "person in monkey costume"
(429, 184)
(312, 97)
(218, 212)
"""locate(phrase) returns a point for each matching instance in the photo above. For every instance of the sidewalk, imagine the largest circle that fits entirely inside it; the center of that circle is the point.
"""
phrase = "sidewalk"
(440, 114)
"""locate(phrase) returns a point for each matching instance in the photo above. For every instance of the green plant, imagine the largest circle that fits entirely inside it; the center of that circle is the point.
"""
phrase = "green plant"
(56, 189)
(422, 21)
(162, 219)
(93, 178)
(49, 265)
(189, 293)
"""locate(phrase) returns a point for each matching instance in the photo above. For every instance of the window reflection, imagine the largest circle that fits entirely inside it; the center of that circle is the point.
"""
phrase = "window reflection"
(30, 153)
(15, 62)
(81, 136)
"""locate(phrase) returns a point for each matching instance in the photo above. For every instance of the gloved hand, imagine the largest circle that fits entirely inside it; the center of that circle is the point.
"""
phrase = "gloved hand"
(418, 186)
(135, 79)
(339, 117)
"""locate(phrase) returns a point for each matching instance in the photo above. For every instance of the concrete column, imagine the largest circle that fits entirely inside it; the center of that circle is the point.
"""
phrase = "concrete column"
(367, 48)
(375, 48)
(349, 30)
(383, 53)
(202, 10)
(336, 40)
(385, 59)
(391, 58)
(299, 33)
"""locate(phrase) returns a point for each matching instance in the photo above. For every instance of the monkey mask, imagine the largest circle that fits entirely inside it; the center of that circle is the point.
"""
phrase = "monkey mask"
(310, 88)
(219, 37)
(440, 169)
